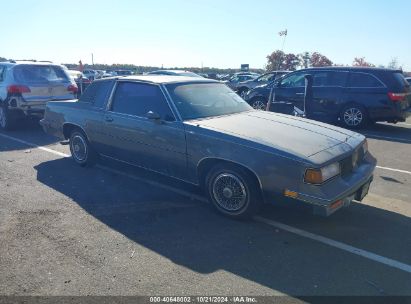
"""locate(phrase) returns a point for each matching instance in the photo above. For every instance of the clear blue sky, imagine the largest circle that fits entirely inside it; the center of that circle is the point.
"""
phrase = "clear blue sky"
(219, 33)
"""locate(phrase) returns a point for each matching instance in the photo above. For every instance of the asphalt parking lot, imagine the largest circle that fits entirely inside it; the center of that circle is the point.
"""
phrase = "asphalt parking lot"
(115, 230)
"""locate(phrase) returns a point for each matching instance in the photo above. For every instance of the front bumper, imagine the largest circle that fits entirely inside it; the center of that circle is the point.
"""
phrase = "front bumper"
(339, 193)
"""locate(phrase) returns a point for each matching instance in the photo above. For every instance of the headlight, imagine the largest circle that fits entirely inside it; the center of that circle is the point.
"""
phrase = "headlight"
(319, 176)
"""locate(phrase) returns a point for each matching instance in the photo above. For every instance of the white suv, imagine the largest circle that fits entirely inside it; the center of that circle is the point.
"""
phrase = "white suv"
(26, 87)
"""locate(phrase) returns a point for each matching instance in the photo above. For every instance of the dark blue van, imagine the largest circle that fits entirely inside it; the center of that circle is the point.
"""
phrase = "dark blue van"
(351, 96)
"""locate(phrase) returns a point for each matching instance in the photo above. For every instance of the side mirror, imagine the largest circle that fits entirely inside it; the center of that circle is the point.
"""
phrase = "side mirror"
(153, 115)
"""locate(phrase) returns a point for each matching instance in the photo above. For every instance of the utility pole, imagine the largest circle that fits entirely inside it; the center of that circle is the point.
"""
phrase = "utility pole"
(92, 59)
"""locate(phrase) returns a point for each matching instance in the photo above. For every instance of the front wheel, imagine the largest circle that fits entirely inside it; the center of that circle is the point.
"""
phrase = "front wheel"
(233, 191)
(353, 116)
(81, 151)
(259, 104)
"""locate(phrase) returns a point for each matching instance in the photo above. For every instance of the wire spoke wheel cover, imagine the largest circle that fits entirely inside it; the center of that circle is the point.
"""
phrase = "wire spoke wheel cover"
(79, 148)
(229, 192)
(353, 117)
(259, 105)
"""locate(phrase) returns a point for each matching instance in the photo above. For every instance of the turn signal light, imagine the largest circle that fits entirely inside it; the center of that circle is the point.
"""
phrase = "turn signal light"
(290, 193)
(313, 176)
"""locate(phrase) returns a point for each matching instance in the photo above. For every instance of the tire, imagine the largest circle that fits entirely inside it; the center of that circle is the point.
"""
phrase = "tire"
(81, 150)
(6, 119)
(353, 116)
(223, 182)
(259, 104)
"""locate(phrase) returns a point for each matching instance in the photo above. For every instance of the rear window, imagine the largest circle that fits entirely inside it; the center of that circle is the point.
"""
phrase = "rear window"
(39, 73)
(400, 79)
(363, 80)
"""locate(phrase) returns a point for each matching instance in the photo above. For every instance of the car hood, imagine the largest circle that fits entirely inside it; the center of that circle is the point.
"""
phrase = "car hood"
(296, 136)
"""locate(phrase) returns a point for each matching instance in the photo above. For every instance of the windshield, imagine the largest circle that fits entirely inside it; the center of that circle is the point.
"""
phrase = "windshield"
(200, 100)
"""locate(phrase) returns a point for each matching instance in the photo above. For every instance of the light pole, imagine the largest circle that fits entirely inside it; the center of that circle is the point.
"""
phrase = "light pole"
(284, 34)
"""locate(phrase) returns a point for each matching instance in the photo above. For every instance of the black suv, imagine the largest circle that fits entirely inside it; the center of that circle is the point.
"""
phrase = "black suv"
(348, 95)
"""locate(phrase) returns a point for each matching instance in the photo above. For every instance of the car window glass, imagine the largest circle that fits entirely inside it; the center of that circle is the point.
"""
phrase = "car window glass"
(329, 78)
(39, 73)
(265, 78)
(362, 80)
(399, 77)
(140, 98)
(295, 80)
(2, 68)
(199, 100)
(97, 93)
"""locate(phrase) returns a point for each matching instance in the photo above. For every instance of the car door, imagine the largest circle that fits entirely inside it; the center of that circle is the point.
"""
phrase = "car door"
(291, 89)
(327, 95)
(155, 144)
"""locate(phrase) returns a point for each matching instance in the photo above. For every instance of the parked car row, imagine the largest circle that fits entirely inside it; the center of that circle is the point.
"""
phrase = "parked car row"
(352, 97)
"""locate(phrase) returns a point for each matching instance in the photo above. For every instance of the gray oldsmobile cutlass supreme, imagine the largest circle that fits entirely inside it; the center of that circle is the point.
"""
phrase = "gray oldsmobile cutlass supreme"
(199, 131)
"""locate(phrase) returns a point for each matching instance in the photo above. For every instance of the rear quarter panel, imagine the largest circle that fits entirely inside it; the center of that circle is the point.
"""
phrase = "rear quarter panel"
(81, 114)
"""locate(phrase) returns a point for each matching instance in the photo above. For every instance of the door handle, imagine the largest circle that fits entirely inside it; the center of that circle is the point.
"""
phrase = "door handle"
(108, 118)
(299, 93)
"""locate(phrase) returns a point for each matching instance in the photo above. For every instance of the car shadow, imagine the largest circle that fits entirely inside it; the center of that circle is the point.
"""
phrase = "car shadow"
(190, 234)
(27, 130)
(389, 132)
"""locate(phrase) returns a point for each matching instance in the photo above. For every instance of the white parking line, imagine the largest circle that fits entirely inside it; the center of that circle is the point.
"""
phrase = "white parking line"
(294, 230)
(368, 135)
(339, 245)
(395, 170)
(34, 145)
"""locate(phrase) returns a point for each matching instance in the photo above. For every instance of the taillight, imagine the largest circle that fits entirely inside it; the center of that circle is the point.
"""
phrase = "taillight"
(72, 88)
(17, 89)
(397, 96)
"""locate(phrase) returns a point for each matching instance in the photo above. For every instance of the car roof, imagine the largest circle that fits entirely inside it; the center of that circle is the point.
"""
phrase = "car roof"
(161, 79)
(357, 69)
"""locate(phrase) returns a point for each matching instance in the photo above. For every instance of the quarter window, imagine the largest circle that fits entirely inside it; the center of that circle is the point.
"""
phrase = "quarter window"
(140, 98)
(362, 80)
(97, 93)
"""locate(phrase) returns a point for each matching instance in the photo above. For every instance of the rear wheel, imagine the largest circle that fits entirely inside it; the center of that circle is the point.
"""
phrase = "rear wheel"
(233, 191)
(81, 151)
(353, 116)
(259, 104)
(6, 119)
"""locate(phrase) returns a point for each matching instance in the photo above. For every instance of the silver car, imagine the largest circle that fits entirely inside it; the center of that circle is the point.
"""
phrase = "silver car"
(26, 87)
